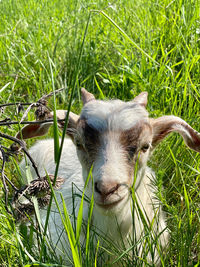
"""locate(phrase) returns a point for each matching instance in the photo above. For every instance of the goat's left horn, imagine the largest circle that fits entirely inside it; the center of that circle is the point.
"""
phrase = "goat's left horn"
(86, 96)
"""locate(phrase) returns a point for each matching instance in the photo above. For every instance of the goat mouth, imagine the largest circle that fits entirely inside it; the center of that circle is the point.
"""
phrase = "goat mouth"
(109, 205)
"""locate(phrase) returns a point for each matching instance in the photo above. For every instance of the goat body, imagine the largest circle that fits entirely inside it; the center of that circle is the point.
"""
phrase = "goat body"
(115, 139)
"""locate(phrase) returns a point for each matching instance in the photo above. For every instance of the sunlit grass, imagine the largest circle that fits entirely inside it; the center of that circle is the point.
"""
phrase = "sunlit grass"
(130, 47)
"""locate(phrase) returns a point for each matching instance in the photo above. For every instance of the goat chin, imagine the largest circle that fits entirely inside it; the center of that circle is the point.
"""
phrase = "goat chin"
(112, 225)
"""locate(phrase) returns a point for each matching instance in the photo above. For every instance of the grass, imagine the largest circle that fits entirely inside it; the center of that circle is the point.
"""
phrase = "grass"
(130, 47)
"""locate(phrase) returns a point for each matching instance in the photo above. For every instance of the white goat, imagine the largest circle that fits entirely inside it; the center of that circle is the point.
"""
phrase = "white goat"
(111, 137)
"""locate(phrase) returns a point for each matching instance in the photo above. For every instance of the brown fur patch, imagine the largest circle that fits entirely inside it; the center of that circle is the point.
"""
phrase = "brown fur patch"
(134, 137)
(130, 137)
(132, 141)
(90, 138)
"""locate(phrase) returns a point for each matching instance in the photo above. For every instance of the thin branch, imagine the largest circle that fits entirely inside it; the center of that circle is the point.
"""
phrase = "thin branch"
(7, 123)
(3, 179)
(41, 110)
(28, 104)
(27, 111)
(5, 120)
(14, 104)
(21, 143)
(12, 185)
(50, 94)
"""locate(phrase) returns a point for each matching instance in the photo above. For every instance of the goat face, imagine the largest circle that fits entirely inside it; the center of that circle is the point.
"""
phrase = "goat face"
(111, 136)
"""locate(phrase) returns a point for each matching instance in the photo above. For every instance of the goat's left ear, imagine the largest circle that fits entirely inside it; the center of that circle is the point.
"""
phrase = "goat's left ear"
(141, 99)
(165, 125)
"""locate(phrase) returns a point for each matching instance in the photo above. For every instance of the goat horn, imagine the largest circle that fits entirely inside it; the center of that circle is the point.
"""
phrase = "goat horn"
(86, 96)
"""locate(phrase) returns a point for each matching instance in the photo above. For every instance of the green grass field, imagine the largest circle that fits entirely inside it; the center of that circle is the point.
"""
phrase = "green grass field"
(131, 46)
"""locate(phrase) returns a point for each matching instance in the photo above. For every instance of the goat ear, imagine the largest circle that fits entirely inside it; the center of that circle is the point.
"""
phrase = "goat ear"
(61, 115)
(33, 130)
(165, 125)
(86, 96)
(141, 99)
(40, 129)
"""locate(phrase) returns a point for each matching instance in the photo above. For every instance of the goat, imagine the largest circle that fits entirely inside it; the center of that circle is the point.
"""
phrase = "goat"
(113, 138)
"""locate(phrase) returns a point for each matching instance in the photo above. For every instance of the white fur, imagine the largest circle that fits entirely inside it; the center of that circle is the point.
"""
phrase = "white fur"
(109, 168)
(113, 114)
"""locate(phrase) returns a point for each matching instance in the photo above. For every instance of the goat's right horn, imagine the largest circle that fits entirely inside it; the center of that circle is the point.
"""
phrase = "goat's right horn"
(86, 96)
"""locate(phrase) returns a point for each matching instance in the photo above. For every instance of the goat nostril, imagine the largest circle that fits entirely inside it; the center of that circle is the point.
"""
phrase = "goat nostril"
(105, 190)
(114, 188)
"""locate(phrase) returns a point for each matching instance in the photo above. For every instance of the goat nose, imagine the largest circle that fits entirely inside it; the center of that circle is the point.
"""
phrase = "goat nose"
(105, 189)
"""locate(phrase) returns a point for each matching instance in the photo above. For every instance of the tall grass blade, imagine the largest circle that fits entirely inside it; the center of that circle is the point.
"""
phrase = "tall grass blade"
(125, 35)
(24, 249)
(55, 124)
(68, 226)
(80, 212)
(65, 127)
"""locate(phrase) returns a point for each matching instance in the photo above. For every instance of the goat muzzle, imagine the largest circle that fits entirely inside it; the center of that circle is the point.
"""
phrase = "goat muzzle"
(107, 194)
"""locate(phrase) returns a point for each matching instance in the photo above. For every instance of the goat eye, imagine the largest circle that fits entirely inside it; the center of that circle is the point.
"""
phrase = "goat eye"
(131, 151)
(145, 147)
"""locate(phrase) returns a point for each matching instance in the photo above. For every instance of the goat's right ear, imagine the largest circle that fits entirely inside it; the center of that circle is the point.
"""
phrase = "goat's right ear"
(40, 129)
(33, 130)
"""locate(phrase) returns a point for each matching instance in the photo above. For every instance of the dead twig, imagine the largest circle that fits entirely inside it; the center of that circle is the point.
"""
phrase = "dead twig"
(12, 185)
(5, 120)
(43, 115)
(50, 94)
(22, 204)
(41, 101)
(22, 145)
(7, 123)
(41, 105)
(3, 179)
(26, 112)
(28, 103)
(14, 104)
